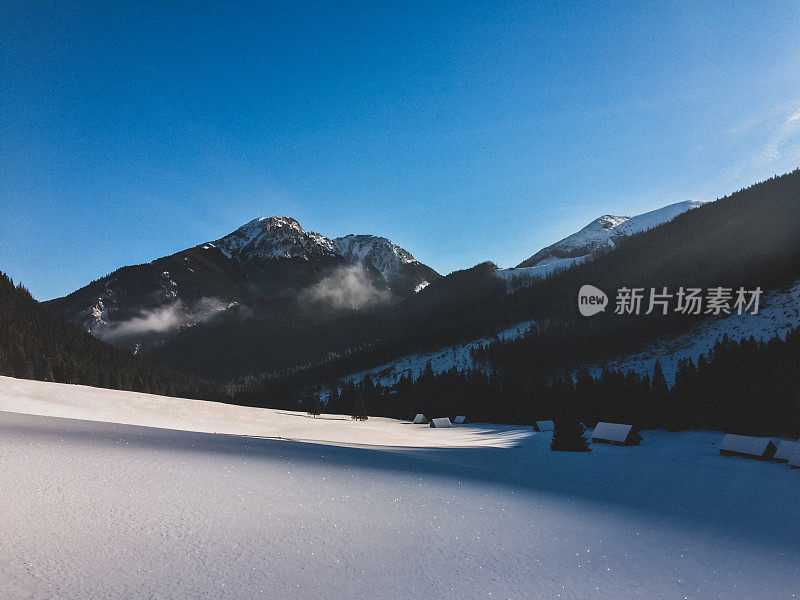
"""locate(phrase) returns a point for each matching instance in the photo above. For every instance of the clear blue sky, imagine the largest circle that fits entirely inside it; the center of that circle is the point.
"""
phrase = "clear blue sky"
(462, 131)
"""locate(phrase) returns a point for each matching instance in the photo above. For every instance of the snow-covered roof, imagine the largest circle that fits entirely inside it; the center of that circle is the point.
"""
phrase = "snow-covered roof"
(545, 425)
(442, 422)
(746, 444)
(786, 450)
(612, 432)
(420, 418)
(794, 461)
(460, 419)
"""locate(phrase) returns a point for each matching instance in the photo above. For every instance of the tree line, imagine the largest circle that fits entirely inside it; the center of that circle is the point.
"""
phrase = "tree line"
(747, 387)
(37, 344)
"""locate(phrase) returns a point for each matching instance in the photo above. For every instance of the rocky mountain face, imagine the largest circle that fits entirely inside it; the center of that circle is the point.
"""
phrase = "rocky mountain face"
(401, 271)
(269, 259)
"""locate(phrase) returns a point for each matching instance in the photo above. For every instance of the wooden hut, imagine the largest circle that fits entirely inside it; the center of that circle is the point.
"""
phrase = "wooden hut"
(786, 450)
(616, 434)
(794, 461)
(747, 446)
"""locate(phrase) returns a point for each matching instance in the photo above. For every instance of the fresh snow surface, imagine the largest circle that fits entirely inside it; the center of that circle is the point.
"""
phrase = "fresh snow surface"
(794, 461)
(779, 313)
(654, 218)
(101, 510)
(443, 359)
(133, 408)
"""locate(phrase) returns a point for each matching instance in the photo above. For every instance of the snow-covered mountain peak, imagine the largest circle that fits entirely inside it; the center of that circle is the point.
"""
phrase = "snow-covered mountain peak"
(378, 252)
(602, 232)
(582, 245)
(396, 265)
(273, 238)
(277, 238)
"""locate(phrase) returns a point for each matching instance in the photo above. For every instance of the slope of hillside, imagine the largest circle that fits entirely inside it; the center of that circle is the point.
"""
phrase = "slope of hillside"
(36, 344)
(779, 313)
(457, 356)
(201, 416)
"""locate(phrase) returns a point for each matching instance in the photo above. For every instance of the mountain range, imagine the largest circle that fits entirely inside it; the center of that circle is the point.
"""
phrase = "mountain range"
(272, 298)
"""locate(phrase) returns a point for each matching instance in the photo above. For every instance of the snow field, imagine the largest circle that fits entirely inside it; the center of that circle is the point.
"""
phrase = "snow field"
(92, 509)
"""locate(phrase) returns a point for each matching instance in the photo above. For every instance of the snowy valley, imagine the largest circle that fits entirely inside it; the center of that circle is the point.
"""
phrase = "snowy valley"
(119, 495)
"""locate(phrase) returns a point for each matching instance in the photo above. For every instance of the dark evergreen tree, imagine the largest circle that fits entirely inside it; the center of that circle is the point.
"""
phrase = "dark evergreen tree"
(569, 435)
(358, 409)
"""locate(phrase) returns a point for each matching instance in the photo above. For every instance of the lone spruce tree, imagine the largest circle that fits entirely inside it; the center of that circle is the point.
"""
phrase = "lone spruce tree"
(568, 435)
(359, 406)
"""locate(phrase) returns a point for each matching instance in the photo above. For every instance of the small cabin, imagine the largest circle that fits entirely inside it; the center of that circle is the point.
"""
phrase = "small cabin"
(443, 422)
(617, 434)
(747, 446)
(461, 420)
(543, 426)
(420, 418)
(794, 461)
(786, 450)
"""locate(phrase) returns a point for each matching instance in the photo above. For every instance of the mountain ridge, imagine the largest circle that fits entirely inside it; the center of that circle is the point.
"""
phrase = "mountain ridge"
(266, 259)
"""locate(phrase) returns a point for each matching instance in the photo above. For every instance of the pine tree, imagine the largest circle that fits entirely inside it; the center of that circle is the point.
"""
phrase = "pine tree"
(568, 435)
(359, 406)
(312, 404)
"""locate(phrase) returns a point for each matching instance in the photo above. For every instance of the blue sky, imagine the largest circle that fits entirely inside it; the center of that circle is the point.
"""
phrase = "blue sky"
(462, 131)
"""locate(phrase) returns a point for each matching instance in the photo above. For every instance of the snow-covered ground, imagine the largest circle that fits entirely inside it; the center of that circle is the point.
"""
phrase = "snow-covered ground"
(520, 277)
(91, 509)
(133, 408)
(443, 359)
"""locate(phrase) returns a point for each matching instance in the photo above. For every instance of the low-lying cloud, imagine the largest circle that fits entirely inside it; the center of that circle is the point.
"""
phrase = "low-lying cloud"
(346, 287)
(164, 318)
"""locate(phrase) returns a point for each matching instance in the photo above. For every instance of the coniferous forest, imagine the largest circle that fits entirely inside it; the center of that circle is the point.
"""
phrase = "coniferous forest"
(747, 387)
(36, 344)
